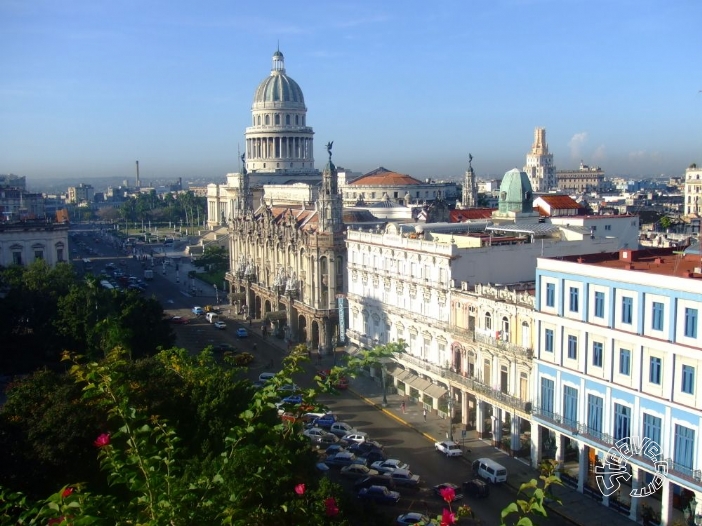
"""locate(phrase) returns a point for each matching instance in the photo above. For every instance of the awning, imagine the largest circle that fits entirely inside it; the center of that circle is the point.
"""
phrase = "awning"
(420, 384)
(236, 296)
(435, 391)
(277, 315)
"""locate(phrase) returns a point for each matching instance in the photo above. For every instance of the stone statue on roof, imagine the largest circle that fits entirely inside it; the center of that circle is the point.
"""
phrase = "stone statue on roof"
(329, 148)
(470, 160)
(243, 163)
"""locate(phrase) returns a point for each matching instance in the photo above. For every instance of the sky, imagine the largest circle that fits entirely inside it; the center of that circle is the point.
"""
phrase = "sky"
(88, 87)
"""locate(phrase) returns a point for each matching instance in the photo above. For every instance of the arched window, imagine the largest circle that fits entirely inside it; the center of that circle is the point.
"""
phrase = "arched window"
(268, 120)
(488, 321)
(259, 120)
(287, 120)
(505, 329)
(277, 119)
(297, 120)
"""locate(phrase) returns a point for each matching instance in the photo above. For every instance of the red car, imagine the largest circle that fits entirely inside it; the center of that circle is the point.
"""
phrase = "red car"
(179, 320)
(341, 383)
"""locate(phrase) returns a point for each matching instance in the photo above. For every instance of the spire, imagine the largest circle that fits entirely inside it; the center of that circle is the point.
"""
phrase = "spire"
(329, 200)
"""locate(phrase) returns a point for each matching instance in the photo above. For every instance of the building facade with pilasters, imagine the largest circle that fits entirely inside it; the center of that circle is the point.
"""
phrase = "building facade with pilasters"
(617, 361)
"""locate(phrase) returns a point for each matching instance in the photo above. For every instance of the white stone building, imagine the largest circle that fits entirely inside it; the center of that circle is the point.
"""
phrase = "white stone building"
(23, 242)
(693, 192)
(539, 164)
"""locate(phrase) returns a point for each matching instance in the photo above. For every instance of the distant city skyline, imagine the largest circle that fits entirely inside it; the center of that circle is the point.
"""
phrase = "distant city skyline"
(90, 88)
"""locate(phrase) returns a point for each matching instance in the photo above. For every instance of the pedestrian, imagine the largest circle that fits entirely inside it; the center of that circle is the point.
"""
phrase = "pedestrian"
(402, 405)
(249, 321)
(254, 347)
(425, 414)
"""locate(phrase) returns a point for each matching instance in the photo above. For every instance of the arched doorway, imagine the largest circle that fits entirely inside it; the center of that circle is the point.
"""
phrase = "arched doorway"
(302, 329)
(267, 307)
(257, 304)
(314, 337)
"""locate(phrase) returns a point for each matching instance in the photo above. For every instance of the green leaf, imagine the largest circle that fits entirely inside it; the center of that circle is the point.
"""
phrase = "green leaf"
(511, 508)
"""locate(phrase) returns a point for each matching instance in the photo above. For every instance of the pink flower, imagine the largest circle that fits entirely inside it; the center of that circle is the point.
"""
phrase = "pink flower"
(103, 440)
(447, 518)
(300, 489)
(332, 508)
(448, 494)
(67, 492)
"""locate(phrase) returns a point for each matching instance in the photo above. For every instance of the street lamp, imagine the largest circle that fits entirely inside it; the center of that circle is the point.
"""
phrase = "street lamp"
(385, 390)
(216, 293)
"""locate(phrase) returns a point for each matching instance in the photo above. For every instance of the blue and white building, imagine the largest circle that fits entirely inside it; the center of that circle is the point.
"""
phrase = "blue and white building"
(618, 356)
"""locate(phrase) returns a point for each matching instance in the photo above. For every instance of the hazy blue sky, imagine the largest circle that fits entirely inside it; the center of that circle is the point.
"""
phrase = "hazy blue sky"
(87, 87)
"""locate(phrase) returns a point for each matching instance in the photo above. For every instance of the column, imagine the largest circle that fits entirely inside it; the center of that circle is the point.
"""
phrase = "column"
(496, 427)
(536, 445)
(560, 449)
(667, 503)
(480, 418)
(637, 475)
(583, 460)
(516, 443)
(466, 410)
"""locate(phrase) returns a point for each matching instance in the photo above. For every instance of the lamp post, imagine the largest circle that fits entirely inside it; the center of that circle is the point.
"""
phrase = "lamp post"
(216, 293)
(385, 390)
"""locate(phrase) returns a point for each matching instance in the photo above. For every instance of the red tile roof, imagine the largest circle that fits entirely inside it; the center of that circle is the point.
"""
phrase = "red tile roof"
(460, 216)
(560, 202)
(384, 177)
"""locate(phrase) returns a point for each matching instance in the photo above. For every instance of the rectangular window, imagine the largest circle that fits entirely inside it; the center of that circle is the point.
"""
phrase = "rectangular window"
(652, 428)
(17, 258)
(550, 294)
(624, 361)
(547, 397)
(684, 453)
(595, 406)
(573, 299)
(59, 254)
(627, 310)
(657, 316)
(599, 304)
(622, 421)
(688, 379)
(608, 227)
(690, 323)
(597, 349)
(548, 340)
(573, 347)
(570, 406)
(654, 370)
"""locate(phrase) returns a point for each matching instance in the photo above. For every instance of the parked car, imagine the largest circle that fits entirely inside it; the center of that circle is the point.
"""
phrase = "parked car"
(357, 471)
(368, 445)
(341, 429)
(289, 388)
(489, 470)
(342, 459)
(334, 449)
(389, 465)
(314, 432)
(198, 311)
(373, 456)
(413, 517)
(220, 325)
(379, 495)
(242, 333)
(356, 436)
(264, 377)
(375, 480)
(325, 421)
(325, 440)
(179, 320)
(448, 448)
(476, 488)
(404, 477)
(448, 485)
(224, 347)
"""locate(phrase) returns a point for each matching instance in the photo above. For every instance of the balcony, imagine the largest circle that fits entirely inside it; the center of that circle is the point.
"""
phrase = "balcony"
(469, 384)
(361, 339)
(503, 345)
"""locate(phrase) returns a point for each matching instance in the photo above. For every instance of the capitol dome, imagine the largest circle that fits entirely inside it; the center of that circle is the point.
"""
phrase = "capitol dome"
(278, 90)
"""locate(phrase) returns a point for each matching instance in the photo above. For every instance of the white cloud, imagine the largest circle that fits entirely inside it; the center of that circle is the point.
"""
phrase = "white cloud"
(576, 144)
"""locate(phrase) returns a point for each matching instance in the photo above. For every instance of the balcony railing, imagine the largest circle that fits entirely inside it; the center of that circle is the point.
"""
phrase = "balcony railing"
(470, 384)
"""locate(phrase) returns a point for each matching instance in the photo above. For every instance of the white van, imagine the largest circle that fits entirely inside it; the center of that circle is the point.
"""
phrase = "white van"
(488, 469)
(211, 317)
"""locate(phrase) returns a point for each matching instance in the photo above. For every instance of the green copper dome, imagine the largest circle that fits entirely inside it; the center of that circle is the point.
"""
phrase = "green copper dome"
(515, 193)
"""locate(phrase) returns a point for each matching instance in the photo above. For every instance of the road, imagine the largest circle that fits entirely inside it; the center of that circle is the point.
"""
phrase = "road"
(399, 440)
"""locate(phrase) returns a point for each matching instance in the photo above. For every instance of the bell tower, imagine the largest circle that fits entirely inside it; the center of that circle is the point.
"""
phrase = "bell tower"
(329, 201)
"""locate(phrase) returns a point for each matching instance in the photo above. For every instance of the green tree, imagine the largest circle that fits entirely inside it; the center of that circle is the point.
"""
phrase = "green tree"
(214, 258)
(520, 513)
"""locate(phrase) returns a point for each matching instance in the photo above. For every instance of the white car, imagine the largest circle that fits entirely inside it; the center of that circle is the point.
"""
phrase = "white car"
(220, 325)
(264, 377)
(357, 436)
(357, 471)
(389, 465)
(448, 448)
